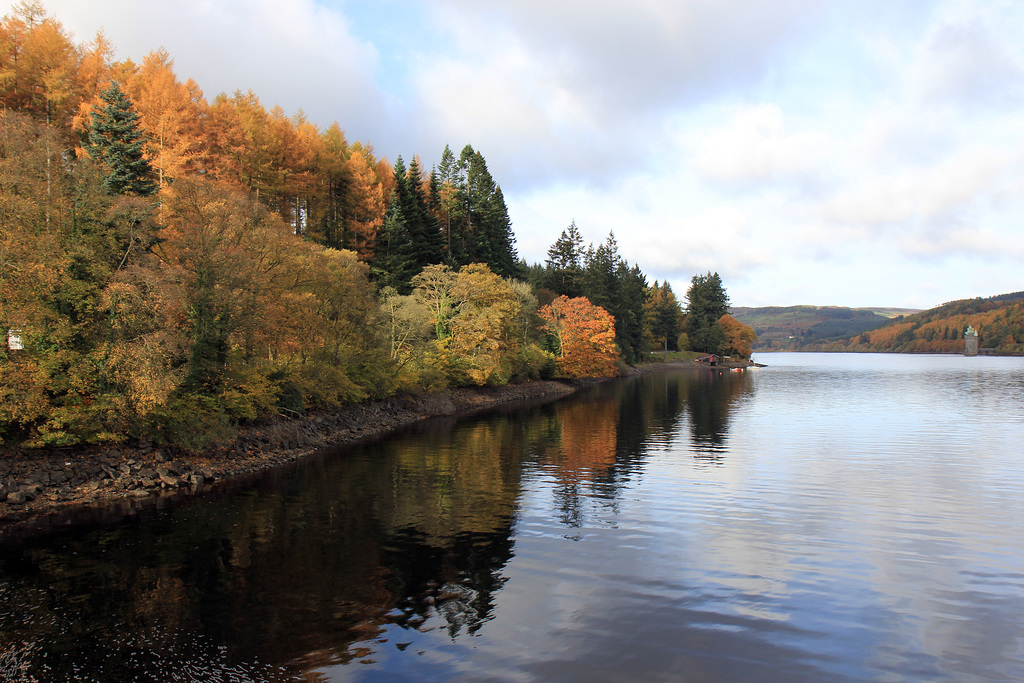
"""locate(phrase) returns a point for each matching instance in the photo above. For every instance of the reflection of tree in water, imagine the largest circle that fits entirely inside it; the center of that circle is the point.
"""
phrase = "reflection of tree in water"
(314, 568)
(651, 407)
(581, 451)
(710, 398)
(328, 562)
(598, 440)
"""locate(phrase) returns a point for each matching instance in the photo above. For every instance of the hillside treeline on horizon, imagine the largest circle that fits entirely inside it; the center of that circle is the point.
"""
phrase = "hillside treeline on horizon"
(998, 320)
(171, 267)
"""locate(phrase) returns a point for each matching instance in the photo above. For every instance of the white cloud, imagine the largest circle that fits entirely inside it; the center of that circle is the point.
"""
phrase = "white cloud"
(969, 59)
(296, 54)
(754, 146)
(936, 196)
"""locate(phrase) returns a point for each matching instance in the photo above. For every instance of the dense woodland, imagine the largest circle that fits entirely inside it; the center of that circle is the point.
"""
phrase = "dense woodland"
(172, 266)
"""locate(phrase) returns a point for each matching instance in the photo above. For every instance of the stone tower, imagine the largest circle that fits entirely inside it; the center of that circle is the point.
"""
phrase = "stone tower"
(971, 342)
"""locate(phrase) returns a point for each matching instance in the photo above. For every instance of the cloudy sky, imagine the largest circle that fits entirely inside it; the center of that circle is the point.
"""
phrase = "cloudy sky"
(856, 153)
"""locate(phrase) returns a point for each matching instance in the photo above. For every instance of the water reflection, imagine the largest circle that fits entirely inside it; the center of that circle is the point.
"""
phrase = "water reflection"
(337, 560)
(293, 572)
(680, 525)
(711, 397)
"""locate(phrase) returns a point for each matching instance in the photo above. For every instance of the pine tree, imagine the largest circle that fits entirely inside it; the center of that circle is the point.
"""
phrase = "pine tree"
(707, 302)
(421, 223)
(449, 180)
(114, 140)
(480, 230)
(565, 263)
(504, 259)
(630, 316)
(599, 275)
(393, 263)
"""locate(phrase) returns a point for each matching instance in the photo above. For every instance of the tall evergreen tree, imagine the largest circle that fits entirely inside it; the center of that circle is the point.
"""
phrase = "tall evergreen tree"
(504, 260)
(629, 313)
(480, 230)
(706, 303)
(449, 180)
(394, 263)
(420, 223)
(600, 284)
(114, 139)
(565, 263)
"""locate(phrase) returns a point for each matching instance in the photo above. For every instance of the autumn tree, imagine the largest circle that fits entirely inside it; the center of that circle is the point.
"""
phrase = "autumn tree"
(224, 142)
(38, 65)
(116, 141)
(584, 337)
(484, 345)
(62, 239)
(739, 338)
(343, 345)
(169, 116)
(364, 207)
(434, 289)
(407, 324)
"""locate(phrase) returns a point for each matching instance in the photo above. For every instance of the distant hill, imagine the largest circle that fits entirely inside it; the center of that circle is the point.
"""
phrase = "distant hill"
(999, 321)
(792, 328)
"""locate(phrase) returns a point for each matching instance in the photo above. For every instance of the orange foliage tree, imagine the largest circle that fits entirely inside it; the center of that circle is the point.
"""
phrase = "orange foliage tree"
(739, 338)
(585, 336)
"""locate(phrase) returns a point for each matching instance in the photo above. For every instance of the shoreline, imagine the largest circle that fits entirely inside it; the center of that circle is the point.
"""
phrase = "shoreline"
(51, 489)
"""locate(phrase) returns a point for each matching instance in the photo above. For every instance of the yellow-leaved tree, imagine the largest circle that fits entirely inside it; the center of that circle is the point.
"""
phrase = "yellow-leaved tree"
(484, 343)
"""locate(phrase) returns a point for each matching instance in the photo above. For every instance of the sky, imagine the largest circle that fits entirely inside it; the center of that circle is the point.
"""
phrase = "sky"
(862, 153)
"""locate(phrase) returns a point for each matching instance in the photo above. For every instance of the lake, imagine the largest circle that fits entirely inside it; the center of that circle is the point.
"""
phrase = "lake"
(831, 517)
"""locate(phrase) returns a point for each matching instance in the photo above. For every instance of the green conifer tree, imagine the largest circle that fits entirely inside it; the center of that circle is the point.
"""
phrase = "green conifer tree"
(393, 262)
(707, 302)
(421, 223)
(565, 263)
(115, 141)
(481, 231)
(629, 312)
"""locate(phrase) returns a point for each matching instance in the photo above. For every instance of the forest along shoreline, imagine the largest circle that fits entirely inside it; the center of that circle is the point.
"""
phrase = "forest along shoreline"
(41, 490)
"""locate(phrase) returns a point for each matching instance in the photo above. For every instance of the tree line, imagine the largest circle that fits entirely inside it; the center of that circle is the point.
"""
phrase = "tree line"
(647, 317)
(171, 267)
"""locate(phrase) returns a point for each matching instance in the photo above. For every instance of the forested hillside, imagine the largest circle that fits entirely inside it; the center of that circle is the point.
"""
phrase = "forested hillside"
(172, 266)
(792, 328)
(999, 321)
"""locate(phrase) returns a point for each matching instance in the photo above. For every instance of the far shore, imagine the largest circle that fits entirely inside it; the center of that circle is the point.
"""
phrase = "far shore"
(50, 489)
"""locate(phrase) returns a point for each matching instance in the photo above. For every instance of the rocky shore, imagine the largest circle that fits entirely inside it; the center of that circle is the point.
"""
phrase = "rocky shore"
(44, 490)
(41, 490)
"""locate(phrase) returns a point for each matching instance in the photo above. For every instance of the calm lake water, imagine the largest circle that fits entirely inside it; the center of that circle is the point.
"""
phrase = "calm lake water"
(829, 517)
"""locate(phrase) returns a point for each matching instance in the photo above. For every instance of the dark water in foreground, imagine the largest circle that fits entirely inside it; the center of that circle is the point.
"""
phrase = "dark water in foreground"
(830, 517)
